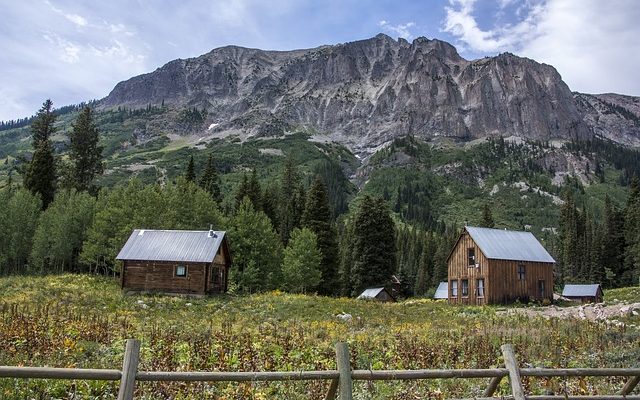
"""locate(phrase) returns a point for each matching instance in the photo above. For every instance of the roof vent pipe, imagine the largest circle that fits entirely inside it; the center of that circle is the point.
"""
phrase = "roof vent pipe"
(211, 234)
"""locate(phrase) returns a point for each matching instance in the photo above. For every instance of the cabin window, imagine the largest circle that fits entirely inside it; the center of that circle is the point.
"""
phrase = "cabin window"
(454, 288)
(216, 277)
(465, 287)
(181, 271)
(480, 287)
(471, 257)
(541, 289)
(521, 272)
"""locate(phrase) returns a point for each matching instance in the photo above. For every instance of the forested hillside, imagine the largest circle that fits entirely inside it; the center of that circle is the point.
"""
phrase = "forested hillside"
(305, 215)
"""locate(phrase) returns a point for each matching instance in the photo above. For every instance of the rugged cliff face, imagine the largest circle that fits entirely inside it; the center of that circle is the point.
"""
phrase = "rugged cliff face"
(365, 93)
(613, 116)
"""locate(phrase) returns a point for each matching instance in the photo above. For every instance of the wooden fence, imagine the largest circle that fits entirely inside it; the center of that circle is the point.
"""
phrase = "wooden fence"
(341, 380)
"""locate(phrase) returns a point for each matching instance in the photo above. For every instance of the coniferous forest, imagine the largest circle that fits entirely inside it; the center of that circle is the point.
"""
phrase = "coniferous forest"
(307, 230)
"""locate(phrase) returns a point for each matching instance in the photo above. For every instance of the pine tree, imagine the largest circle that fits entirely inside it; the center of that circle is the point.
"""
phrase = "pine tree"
(632, 235)
(40, 174)
(42, 127)
(249, 188)
(291, 202)
(487, 217)
(301, 267)
(374, 245)
(569, 237)
(190, 173)
(85, 153)
(317, 218)
(40, 177)
(210, 182)
(613, 241)
(347, 236)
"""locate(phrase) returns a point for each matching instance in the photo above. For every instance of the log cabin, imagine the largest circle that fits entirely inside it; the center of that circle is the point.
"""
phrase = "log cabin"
(175, 262)
(495, 266)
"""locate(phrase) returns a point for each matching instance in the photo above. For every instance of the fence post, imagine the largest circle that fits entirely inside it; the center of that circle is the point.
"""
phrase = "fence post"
(129, 370)
(333, 389)
(344, 369)
(514, 372)
(630, 385)
(493, 385)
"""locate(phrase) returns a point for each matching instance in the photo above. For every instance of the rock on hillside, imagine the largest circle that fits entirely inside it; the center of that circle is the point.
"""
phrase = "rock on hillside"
(613, 116)
(364, 93)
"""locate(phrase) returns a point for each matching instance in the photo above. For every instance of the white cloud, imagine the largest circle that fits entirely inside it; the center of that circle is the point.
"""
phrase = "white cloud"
(75, 18)
(593, 44)
(400, 30)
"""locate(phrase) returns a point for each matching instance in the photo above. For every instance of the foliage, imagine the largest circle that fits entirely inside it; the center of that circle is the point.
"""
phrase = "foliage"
(374, 246)
(61, 231)
(257, 251)
(82, 321)
(302, 259)
(210, 181)
(19, 212)
(317, 218)
(84, 152)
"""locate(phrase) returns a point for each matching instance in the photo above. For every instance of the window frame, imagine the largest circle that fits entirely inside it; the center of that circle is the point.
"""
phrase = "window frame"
(478, 287)
(453, 288)
(464, 288)
(522, 272)
(471, 257)
(175, 271)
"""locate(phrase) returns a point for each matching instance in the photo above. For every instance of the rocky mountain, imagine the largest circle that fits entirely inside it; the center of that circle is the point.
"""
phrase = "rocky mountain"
(613, 116)
(365, 93)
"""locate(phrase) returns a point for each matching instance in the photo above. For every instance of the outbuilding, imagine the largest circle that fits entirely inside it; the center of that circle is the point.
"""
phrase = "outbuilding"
(174, 261)
(583, 293)
(442, 292)
(379, 293)
(494, 266)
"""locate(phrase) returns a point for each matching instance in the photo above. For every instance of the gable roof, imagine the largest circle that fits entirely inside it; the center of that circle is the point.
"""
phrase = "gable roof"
(580, 290)
(501, 244)
(166, 245)
(442, 292)
(372, 293)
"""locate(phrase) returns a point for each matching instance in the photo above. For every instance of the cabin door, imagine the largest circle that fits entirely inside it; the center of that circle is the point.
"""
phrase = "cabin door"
(216, 279)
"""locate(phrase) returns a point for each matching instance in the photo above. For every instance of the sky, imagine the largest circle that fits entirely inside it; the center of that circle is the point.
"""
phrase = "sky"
(74, 51)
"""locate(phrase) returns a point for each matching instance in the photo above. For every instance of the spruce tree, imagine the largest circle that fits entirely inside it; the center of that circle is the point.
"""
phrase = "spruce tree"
(487, 217)
(42, 127)
(374, 245)
(632, 235)
(40, 174)
(249, 188)
(85, 154)
(291, 202)
(317, 218)
(612, 243)
(301, 267)
(190, 173)
(210, 182)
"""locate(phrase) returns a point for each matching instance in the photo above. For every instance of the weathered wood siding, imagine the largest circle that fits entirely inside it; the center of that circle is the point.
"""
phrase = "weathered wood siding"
(160, 276)
(506, 286)
(501, 281)
(460, 270)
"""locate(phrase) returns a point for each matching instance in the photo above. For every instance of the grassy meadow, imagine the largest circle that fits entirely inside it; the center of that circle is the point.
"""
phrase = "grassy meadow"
(82, 321)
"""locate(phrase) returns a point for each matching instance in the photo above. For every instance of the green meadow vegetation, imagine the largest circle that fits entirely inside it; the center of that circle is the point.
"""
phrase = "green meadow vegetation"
(82, 321)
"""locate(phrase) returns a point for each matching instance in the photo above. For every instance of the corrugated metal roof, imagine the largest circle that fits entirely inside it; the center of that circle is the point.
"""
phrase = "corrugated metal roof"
(161, 245)
(509, 245)
(580, 290)
(442, 292)
(371, 293)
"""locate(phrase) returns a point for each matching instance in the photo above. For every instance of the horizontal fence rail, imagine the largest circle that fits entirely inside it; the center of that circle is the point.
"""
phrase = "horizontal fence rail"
(341, 379)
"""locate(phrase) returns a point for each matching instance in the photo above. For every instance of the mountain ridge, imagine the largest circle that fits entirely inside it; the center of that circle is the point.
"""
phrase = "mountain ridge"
(365, 93)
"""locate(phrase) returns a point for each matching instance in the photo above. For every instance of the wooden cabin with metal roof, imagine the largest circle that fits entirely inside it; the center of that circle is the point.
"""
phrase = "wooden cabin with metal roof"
(583, 293)
(176, 262)
(495, 266)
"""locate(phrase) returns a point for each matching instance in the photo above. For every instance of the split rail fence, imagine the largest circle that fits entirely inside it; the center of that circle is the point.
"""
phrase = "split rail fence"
(341, 386)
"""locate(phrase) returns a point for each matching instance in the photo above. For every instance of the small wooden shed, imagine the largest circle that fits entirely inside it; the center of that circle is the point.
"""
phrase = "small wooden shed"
(379, 293)
(583, 293)
(442, 292)
(172, 261)
(493, 266)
